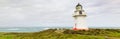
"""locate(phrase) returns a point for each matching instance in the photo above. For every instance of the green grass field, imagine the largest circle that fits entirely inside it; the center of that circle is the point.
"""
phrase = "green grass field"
(64, 34)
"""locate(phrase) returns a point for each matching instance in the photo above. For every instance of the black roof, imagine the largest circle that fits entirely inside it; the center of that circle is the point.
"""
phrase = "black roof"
(78, 4)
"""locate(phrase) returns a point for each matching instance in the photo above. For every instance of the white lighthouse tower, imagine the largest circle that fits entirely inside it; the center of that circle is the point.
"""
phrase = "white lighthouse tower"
(80, 21)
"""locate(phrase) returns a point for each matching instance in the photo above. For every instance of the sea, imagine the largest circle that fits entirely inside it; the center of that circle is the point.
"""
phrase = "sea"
(38, 29)
(27, 29)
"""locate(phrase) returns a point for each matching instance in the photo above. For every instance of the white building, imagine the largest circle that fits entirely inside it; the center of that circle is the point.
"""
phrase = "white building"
(80, 21)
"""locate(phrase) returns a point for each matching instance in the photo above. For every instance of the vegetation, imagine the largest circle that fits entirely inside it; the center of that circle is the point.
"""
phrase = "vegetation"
(64, 34)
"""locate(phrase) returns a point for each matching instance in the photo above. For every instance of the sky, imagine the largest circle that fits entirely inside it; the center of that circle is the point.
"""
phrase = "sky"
(38, 13)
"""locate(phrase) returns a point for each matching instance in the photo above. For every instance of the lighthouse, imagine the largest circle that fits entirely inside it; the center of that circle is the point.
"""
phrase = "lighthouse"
(80, 18)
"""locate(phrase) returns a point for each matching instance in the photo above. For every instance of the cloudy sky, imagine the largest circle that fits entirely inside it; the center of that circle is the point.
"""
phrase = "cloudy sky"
(29, 13)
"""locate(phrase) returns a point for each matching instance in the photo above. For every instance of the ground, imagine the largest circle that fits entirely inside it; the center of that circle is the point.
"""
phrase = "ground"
(64, 34)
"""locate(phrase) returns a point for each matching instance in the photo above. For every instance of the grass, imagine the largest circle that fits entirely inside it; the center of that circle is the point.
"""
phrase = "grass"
(64, 34)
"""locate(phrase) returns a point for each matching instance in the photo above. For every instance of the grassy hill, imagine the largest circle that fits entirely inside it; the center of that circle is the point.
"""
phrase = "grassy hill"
(64, 34)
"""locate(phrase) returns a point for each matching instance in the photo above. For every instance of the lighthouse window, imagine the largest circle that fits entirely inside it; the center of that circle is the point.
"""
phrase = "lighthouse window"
(80, 12)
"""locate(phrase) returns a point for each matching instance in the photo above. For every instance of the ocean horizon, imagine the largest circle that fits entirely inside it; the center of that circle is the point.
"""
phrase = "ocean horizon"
(26, 29)
(37, 29)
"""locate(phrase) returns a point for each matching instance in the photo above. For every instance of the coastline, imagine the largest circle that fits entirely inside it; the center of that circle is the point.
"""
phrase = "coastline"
(64, 34)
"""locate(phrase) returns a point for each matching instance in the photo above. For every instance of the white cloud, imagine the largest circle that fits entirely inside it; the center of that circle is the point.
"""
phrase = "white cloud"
(56, 12)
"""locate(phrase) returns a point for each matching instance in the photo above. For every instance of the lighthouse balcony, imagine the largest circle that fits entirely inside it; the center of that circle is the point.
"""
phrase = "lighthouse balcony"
(79, 15)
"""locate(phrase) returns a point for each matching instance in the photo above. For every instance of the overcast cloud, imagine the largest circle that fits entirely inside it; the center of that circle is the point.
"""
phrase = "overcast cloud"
(57, 12)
